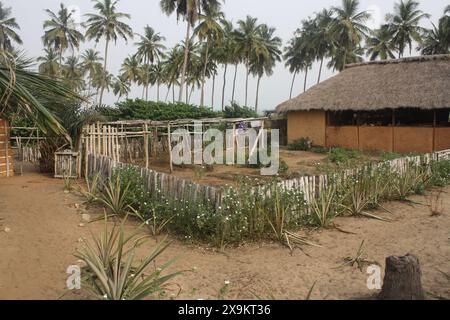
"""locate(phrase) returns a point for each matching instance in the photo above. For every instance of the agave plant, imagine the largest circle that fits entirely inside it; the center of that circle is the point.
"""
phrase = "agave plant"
(411, 181)
(115, 197)
(324, 208)
(111, 270)
(92, 191)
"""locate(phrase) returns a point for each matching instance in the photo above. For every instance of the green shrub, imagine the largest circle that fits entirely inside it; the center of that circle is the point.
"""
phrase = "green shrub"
(302, 144)
(342, 156)
(388, 156)
(235, 111)
(319, 150)
(440, 173)
(157, 111)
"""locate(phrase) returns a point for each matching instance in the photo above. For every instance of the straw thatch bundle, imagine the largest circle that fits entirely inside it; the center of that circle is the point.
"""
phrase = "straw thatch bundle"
(418, 82)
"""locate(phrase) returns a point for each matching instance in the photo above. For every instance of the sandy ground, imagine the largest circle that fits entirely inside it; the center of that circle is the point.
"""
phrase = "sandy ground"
(44, 232)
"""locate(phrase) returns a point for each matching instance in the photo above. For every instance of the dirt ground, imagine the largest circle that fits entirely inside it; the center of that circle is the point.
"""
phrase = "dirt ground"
(40, 231)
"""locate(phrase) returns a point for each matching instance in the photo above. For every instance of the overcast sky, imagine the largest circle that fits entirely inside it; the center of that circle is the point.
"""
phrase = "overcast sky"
(284, 15)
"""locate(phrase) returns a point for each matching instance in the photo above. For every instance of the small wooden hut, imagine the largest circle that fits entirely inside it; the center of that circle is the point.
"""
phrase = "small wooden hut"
(397, 105)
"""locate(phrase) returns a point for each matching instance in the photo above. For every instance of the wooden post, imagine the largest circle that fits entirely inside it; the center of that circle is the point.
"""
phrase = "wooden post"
(434, 130)
(146, 145)
(7, 148)
(169, 140)
(402, 279)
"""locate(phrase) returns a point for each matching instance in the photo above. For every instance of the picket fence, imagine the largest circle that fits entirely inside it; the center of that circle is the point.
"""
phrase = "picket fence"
(180, 189)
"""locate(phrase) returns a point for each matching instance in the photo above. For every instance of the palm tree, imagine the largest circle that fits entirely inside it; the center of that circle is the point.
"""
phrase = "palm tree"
(445, 23)
(102, 81)
(130, 70)
(61, 31)
(150, 47)
(107, 24)
(321, 38)
(159, 77)
(264, 62)
(91, 64)
(404, 25)
(209, 29)
(146, 78)
(49, 63)
(348, 29)
(192, 68)
(435, 41)
(29, 93)
(150, 50)
(341, 56)
(73, 73)
(8, 27)
(379, 44)
(189, 10)
(172, 66)
(248, 42)
(225, 53)
(121, 88)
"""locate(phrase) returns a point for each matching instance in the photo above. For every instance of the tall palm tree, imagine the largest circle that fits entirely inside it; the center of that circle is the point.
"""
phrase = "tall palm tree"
(102, 81)
(249, 42)
(293, 60)
(49, 63)
(130, 70)
(404, 25)
(209, 30)
(150, 50)
(150, 47)
(192, 68)
(445, 22)
(225, 53)
(91, 64)
(348, 29)
(189, 10)
(107, 24)
(73, 73)
(159, 77)
(435, 40)
(61, 31)
(8, 27)
(321, 38)
(264, 62)
(121, 88)
(172, 66)
(146, 78)
(379, 44)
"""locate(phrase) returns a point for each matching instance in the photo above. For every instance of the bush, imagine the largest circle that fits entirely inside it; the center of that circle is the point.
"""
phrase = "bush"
(440, 173)
(303, 144)
(342, 156)
(235, 111)
(157, 111)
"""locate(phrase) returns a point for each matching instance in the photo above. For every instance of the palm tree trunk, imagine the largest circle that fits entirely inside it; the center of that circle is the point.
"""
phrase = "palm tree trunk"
(168, 92)
(60, 60)
(213, 91)
(247, 66)
(173, 93)
(190, 94)
(187, 93)
(257, 93)
(234, 81)
(202, 99)
(157, 93)
(186, 56)
(224, 86)
(292, 85)
(105, 64)
(306, 79)
(320, 70)
(146, 92)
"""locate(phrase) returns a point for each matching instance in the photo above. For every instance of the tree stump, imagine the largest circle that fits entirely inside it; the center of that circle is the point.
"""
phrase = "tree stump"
(402, 280)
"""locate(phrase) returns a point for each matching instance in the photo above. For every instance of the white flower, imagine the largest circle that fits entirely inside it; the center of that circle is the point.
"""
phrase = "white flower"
(227, 282)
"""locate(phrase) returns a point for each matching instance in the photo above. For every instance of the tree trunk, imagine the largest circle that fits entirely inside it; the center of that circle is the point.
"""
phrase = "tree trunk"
(213, 91)
(143, 92)
(60, 61)
(185, 63)
(320, 70)
(157, 93)
(187, 93)
(292, 85)
(224, 86)
(234, 81)
(247, 66)
(402, 280)
(257, 94)
(202, 99)
(306, 79)
(190, 94)
(105, 64)
(168, 92)
(146, 92)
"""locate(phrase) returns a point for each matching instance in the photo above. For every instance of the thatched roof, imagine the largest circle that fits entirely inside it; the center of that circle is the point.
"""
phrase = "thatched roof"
(419, 82)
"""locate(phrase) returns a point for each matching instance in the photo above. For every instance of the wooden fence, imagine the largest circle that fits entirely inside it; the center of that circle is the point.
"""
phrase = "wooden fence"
(162, 183)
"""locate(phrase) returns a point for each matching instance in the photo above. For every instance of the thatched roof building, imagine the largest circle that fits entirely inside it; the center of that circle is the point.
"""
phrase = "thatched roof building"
(419, 82)
(396, 105)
